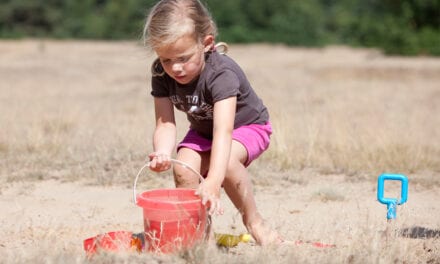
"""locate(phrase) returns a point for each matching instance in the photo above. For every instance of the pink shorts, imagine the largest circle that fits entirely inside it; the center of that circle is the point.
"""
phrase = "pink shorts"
(254, 137)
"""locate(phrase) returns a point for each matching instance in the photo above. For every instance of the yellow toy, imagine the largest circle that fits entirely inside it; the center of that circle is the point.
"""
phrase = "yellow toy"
(227, 240)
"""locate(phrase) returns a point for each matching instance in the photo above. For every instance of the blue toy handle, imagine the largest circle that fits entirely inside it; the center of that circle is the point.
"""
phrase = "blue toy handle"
(392, 202)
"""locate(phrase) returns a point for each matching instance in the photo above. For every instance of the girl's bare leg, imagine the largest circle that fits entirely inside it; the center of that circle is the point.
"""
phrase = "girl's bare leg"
(238, 187)
(185, 178)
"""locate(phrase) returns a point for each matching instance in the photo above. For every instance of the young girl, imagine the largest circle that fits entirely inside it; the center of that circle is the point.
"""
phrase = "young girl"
(229, 125)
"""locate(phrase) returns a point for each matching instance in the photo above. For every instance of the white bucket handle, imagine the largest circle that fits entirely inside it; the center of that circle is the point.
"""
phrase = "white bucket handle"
(183, 164)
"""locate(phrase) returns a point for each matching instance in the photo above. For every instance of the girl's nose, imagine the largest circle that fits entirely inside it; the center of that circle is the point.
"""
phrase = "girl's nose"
(177, 67)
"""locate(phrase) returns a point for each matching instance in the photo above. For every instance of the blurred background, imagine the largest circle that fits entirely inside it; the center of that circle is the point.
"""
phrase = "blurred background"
(404, 27)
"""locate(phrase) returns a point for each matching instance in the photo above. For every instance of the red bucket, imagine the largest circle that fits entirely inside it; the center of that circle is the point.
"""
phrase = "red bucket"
(174, 219)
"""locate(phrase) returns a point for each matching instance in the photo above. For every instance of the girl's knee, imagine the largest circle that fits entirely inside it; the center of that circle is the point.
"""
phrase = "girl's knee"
(235, 167)
(183, 178)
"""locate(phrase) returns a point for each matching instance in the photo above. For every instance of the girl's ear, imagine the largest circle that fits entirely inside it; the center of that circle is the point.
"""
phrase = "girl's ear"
(208, 43)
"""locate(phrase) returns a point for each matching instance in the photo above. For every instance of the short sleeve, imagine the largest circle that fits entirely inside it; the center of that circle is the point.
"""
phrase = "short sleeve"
(224, 85)
(159, 87)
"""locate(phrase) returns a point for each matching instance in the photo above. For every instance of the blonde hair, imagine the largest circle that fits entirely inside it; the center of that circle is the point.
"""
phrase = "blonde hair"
(169, 20)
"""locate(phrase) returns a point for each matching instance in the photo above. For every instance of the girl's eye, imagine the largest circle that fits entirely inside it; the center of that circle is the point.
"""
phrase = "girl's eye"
(183, 59)
(165, 62)
(168, 62)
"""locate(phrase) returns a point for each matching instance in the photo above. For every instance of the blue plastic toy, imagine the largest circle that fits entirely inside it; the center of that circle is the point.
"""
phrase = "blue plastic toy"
(392, 202)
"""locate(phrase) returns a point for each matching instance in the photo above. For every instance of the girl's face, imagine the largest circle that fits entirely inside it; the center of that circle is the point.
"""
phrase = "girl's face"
(184, 59)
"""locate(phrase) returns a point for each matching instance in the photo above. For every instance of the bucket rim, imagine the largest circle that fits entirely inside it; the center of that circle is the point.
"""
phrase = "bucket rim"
(142, 200)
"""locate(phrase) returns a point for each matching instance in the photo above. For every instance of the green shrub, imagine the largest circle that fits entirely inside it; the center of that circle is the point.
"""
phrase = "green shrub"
(408, 27)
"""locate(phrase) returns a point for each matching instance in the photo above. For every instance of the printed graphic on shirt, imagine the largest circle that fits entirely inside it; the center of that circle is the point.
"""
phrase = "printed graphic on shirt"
(198, 112)
(175, 99)
(192, 99)
(202, 112)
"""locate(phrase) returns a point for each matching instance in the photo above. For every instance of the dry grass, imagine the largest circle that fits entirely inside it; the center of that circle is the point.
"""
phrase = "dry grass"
(82, 106)
(350, 112)
(364, 245)
(81, 111)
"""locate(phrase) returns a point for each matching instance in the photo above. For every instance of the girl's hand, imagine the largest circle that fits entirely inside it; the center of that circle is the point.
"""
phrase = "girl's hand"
(159, 161)
(210, 195)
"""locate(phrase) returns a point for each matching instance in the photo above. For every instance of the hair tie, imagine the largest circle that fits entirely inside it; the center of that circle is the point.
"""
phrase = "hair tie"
(157, 69)
(221, 47)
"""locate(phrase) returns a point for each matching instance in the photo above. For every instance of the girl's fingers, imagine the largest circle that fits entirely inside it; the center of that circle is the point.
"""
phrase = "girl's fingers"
(220, 209)
(214, 206)
(210, 200)
(159, 162)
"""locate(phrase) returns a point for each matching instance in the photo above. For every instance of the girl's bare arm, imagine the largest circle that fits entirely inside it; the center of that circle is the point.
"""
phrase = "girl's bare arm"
(164, 137)
(224, 115)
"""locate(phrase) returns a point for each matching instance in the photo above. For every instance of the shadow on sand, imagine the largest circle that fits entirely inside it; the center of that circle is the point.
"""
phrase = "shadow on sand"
(419, 232)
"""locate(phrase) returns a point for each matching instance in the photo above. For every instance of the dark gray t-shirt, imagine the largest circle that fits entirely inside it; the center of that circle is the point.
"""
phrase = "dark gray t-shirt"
(221, 78)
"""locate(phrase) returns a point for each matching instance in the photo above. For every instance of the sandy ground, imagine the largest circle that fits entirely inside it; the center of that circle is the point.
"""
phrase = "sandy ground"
(326, 209)
(75, 130)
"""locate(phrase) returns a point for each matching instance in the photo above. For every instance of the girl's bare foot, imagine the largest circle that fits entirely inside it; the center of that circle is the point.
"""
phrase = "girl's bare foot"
(263, 234)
